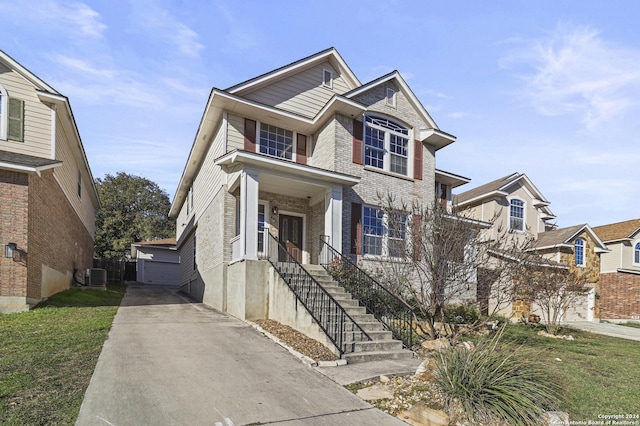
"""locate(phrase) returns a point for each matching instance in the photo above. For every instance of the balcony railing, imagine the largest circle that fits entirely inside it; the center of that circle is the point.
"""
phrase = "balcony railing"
(332, 318)
(388, 308)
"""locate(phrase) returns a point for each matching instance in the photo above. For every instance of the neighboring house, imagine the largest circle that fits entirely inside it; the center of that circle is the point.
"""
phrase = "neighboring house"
(514, 205)
(47, 197)
(620, 271)
(301, 152)
(579, 248)
(157, 262)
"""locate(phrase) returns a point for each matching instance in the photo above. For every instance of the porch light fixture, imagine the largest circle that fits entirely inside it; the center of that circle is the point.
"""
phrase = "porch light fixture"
(274, 210)
(10, 250)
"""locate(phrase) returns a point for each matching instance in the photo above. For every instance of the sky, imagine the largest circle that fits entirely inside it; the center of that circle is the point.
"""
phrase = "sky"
(546, 88)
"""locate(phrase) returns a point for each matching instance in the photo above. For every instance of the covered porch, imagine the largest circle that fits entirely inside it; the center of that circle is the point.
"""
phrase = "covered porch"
(295, 203)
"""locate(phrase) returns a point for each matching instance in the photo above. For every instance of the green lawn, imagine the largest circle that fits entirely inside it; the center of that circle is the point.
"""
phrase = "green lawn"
(599, 373)
(47, 355)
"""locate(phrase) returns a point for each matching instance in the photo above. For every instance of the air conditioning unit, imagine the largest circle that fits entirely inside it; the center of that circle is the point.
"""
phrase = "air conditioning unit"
(96, 277)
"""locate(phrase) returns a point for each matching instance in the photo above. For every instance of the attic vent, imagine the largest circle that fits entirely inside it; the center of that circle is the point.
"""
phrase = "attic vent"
(327, 78)
(391, 97)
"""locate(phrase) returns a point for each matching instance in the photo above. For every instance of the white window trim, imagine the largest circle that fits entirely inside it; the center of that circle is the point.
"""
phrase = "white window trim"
(524, 215)
(387, 146)
(385, 234)
(4, 114)
(325, 83)
(267, 215)
(294, 142)
(633, 253)
(584, 252)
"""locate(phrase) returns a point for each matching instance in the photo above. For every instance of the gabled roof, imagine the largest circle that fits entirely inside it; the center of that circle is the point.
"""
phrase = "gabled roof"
(564, 237)
(49, 95)
(432, 135)
(330, 54)
(500, 187)
(618, 231)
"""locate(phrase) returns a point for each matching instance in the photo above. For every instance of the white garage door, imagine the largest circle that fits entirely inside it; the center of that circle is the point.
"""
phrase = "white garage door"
(161, 273)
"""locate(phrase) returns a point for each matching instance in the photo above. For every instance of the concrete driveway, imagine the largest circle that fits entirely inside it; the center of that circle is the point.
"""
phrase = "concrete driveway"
(607, 329)
(168, 361)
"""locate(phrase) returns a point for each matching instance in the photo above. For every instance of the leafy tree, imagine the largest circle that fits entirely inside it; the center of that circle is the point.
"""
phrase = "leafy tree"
(133, 209)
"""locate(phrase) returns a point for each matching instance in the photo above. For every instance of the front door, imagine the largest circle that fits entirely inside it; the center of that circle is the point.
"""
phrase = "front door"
(291, 235)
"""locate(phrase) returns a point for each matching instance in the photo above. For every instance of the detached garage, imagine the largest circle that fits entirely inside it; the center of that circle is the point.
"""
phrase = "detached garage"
(157, 262)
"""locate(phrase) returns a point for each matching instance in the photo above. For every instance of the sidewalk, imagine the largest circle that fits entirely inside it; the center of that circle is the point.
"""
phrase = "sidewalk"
(168, 361)
(605, 328)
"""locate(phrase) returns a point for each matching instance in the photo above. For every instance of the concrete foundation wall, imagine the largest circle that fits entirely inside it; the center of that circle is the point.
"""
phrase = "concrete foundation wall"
(248, 289)
(215, 292)
(285, 308)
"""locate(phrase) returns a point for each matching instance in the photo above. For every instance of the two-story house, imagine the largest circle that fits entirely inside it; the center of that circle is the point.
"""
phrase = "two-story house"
(48, 199)
(620, 271)
(302, 153)
(515, 206)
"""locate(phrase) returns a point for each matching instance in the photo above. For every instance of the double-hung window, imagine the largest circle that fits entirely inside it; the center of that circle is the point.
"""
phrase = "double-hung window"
(579, 246)
(384, 234)
(3, 113)
(516, 215)
(636, 254)
(386, 145)
(372, 230)
(275, 141)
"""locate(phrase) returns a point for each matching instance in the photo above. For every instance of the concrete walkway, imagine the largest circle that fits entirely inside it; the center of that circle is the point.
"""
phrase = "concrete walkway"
(168, 361)
(607, 329)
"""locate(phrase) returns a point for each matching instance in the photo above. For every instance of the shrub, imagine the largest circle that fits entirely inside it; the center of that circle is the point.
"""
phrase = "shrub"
(495, 383)
(461, 314)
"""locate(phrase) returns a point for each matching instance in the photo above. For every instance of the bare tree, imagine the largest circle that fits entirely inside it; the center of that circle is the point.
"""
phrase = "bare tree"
(553, 287)
(446, 259)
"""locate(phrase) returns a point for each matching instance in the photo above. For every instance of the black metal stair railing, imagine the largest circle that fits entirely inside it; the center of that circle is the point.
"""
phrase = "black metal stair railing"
(388, 308)
(332, 318)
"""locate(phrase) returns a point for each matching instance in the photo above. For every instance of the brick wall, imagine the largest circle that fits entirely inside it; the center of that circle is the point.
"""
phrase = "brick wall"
(58, 240)
(14, 199)
(619, 296)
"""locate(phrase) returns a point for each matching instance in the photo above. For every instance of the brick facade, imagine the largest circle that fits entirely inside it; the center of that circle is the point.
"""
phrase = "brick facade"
(51, 238)
(14, 206)
(620, 296)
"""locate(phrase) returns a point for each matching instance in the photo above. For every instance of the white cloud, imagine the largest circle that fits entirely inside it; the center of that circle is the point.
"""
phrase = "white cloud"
(75, 19)
(161, 24)
(577, 71)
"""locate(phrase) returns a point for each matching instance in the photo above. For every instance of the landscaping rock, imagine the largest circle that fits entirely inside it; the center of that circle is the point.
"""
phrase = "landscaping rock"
(555, 418)
(421, 415)
(554, 336)
(436, 345)
(384, 379)
(375, 392)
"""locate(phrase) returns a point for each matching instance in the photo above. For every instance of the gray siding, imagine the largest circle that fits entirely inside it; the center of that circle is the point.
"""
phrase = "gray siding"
(302, 93)
(235, 132)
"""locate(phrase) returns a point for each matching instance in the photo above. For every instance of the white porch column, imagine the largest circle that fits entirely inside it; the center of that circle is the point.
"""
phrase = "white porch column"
(249, 214)
(333, 217)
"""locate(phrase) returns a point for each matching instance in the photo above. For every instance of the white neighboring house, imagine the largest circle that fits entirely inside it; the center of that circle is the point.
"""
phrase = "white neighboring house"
(157, 262)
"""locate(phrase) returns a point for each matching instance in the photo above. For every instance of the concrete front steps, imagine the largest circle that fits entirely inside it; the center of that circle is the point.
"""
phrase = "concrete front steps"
(382, 346)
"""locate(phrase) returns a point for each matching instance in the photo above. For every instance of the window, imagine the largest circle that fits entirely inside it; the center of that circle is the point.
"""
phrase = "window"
(386, 145)
(372, 230)
(391, 97)
(636, 254)
(384, 235)
(327, 78)
(579, 252)
(195, 264)
(516, 215)
(11, 117)
(3, 112)
(261, 221)
(79, 184)
(275, 141)
(397, 224)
